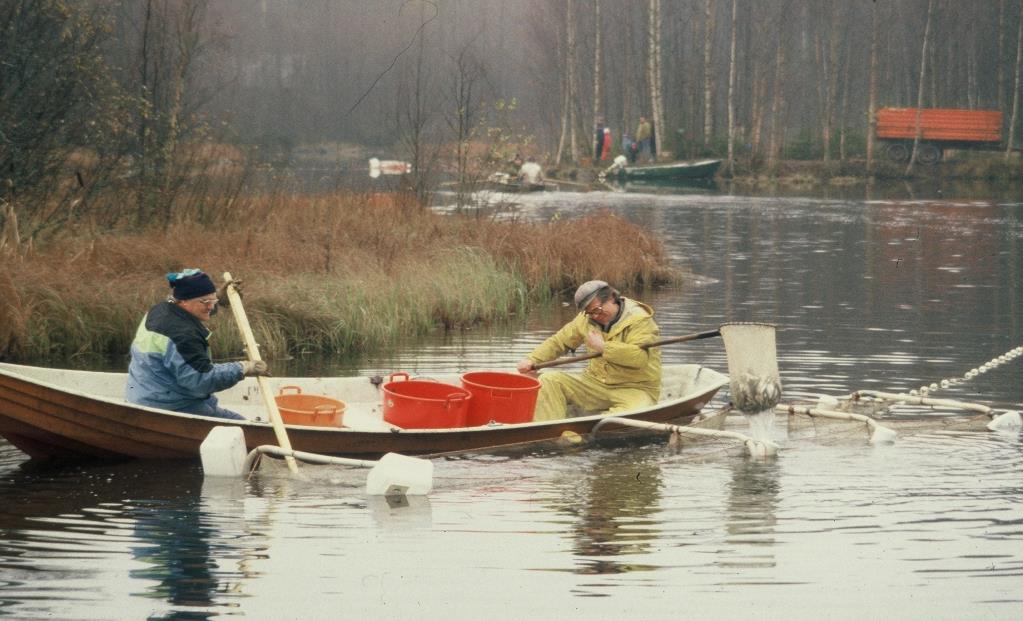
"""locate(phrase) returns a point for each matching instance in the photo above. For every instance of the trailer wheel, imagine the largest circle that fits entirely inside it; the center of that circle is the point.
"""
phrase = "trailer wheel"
(896, 152)
(928, 154)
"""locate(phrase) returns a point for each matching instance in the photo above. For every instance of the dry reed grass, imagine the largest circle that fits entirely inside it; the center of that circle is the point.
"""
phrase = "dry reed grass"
(342, 273)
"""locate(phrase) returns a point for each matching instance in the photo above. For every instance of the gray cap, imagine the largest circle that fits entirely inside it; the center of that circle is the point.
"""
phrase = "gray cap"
(586, 291)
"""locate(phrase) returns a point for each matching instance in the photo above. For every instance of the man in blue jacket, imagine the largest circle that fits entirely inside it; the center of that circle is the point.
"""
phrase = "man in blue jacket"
(170, 365)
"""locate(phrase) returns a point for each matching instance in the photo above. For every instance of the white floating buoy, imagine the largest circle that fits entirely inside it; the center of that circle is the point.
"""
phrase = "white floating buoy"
(400, 475)
(827, 402)
(223, 452)
(762, 448)
(882, 435)
(1008, 421)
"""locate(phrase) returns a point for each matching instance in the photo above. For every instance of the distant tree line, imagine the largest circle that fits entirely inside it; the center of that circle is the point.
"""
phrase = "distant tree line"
(769, 78)
(147, 98)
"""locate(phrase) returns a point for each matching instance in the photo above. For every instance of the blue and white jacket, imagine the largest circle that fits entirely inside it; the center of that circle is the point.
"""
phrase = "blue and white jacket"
(170, 363)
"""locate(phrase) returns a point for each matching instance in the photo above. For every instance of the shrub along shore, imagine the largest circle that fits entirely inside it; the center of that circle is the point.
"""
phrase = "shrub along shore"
(340, 274)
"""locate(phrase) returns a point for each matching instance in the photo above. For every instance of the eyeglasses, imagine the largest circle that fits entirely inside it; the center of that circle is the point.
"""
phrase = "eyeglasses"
(596, 310)
(208, 301)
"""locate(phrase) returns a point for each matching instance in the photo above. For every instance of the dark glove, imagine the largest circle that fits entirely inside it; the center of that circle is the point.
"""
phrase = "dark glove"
(222, 299)
(255, 367)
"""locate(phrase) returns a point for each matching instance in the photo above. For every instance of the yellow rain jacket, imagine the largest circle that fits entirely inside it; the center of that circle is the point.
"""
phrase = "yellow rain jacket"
(623, 364)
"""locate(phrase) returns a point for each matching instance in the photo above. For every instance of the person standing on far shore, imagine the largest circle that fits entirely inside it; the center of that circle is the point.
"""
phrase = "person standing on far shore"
(645, 139)
(602, 144)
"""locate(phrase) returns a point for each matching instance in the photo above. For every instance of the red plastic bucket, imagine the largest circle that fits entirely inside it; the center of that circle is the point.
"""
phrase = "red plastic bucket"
(299, 409)
(500, 397)
(424, 404)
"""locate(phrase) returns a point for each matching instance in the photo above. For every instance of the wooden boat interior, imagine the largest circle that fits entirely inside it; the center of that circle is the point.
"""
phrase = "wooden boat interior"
(362, 395)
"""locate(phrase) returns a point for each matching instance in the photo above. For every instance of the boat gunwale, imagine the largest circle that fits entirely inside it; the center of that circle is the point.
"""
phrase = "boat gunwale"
(156, 423)
(672, 165)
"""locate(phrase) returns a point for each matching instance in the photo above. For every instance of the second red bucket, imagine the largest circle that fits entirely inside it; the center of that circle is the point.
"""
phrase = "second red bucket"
(424, 404)
(500, 397)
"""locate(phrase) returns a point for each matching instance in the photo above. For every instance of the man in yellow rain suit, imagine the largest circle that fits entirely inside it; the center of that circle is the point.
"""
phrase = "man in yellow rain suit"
(624, 377)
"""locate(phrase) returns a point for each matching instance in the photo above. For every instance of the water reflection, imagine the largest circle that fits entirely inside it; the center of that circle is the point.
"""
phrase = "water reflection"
(750, 514)
(174, 549)
(888, 293)
(679, 186)
(613, 506)
(141, 520)
(401, 513)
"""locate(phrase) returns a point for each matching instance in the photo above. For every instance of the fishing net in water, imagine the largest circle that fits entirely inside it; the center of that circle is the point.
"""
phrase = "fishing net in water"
(752, 366)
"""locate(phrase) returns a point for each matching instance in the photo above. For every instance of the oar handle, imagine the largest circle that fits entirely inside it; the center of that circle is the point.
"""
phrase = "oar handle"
(675, 339)
(252, 348)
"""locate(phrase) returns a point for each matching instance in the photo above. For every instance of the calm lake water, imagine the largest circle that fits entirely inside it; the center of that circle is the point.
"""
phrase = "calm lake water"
(886, 293)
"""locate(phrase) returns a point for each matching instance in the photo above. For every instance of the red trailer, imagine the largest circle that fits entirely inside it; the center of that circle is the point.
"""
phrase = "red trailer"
(939, 129)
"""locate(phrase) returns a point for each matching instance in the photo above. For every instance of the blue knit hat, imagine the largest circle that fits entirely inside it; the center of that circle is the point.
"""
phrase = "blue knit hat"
(190, 283)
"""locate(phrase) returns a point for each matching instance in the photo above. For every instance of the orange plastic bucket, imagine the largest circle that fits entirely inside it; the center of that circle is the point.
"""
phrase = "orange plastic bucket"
(317, 410)
(500, 397)
(424, 404)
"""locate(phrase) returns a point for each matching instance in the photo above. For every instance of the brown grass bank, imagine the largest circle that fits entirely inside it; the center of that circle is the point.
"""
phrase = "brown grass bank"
(341, 273)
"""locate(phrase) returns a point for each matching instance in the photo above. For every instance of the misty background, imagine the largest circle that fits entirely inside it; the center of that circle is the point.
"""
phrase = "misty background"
(169, 105)
(306, 71)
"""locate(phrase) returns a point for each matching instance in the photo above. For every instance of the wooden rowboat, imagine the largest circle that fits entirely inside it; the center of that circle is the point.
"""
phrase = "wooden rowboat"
(701, 169)
(55, 413)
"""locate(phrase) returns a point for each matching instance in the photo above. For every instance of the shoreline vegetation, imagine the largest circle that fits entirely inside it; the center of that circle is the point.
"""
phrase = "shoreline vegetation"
(341, 273)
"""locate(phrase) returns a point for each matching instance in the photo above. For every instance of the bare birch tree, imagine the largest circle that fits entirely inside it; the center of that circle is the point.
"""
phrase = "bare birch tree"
(463, 116)
(597, 63)
(775, 137)
(826, 51)
(920, 87)
(731, 92)
(654, 72)
(708, 72)
(872, 89)
(171, 39)
(1016, 85)
(569, 99)
(415, 117)
(1000, 64)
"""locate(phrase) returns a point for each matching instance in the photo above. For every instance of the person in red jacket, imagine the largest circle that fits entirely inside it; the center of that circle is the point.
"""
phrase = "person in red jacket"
(602, 145)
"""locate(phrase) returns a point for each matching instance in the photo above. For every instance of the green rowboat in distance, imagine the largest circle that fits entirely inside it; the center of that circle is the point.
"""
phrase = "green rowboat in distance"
(699, 169)
(673, 171)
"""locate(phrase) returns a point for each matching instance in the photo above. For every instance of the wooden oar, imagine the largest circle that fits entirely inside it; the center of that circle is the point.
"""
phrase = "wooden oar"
(252, 348)
(677, 339)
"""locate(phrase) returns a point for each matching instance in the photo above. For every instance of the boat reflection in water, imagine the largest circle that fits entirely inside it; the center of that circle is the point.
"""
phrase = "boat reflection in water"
(664, 186)
(144, 520)
(621, 517)
(175, 551)
(614, 509)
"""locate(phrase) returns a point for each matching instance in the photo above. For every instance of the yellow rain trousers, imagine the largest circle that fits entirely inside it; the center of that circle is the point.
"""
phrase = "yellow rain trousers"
(623, 378)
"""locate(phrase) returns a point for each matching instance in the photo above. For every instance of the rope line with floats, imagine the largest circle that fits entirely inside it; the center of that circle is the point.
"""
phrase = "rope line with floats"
(994, 363)
(1007, 420)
